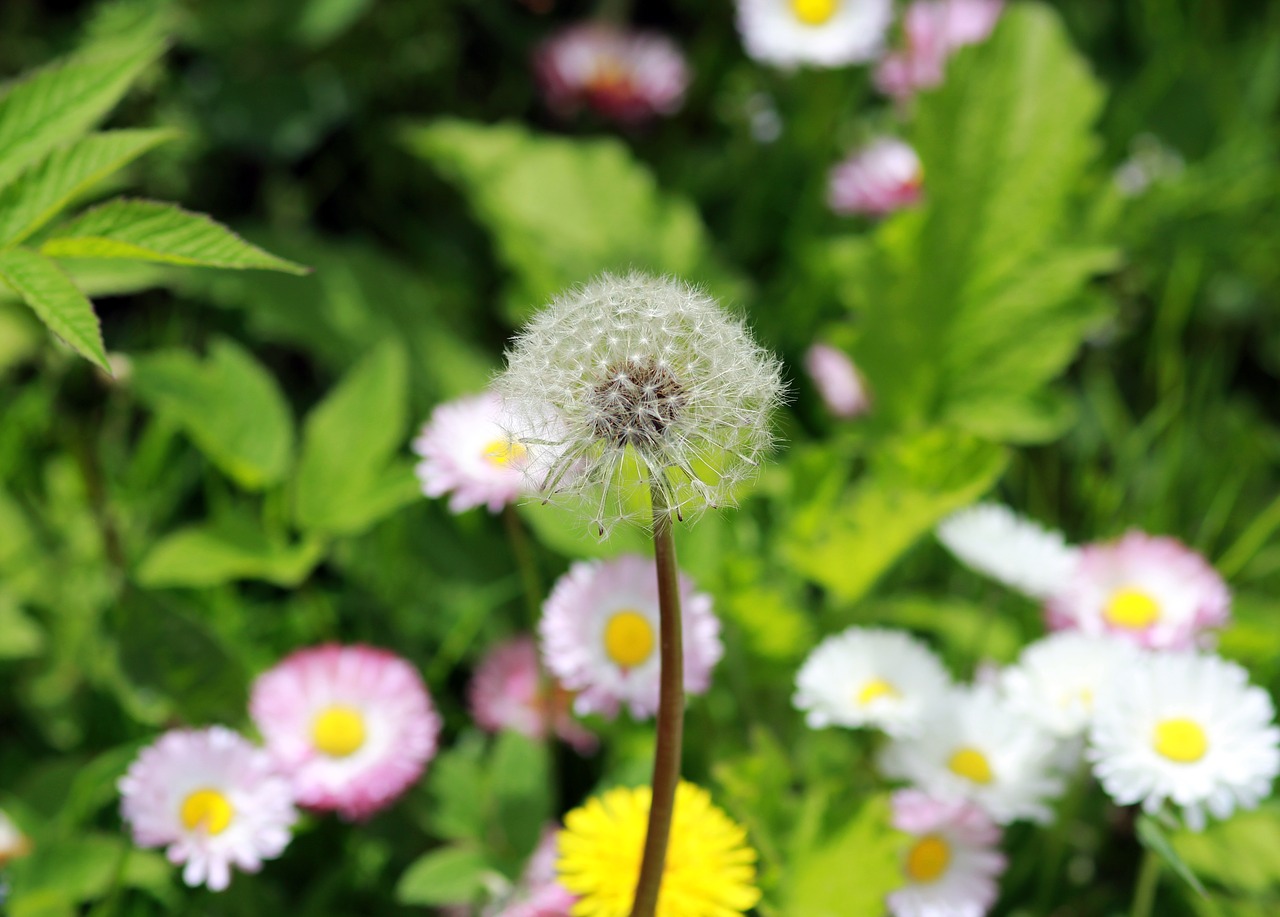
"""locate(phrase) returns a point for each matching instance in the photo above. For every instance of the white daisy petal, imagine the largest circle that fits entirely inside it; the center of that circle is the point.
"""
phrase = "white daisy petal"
(1188, 729)
(870, 677)
(823, 33)
(1011, 549)
(1057, 678)
(972, 746)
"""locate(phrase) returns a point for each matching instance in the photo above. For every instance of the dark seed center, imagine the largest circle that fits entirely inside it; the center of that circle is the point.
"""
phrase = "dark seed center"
(636, 402)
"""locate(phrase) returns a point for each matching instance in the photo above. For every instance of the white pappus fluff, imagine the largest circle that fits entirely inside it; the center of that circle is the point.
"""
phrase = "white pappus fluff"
(631, 380)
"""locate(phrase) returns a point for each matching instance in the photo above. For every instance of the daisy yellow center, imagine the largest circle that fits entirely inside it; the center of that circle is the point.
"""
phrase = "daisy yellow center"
(338, 731)
(503, 452)
(709, 869)
(1131, 609)
(628, 638)
(874, 689)
(814, 12)
(928, 859)
(971, 764)
(206, 810)
(1181, 740)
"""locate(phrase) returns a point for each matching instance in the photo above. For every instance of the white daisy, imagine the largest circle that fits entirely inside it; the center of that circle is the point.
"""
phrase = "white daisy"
(824, 33)
(1057, 678)
(1187, 728)
(870, 677)
(599, 634)
(467, 454)
(952, 865)
(973, 746)
(1152, 590)
(1010, 549)
(212, 798)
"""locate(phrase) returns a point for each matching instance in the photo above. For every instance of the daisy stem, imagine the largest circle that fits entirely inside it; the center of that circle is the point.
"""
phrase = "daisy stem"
(1144, 896)
(530, 580)
(670, 725)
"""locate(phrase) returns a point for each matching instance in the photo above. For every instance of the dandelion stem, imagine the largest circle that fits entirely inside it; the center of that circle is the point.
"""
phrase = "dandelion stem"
(1144, 896)
(670, 726)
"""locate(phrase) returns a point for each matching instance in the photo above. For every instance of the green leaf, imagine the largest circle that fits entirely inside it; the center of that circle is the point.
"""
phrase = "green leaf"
(20, 636)
(521, 781)
(1242, 854)
(450, 875)
(562, 210)
(196, 672)
(913, 482)
(77, 869)
(969, 305)
(457, 789)
(850, 875)
(42, 192)
(1153, 838)
(222, 552)
(343, 483)
(56, 105)
(159, 232)
(229, 405)
(55, 299)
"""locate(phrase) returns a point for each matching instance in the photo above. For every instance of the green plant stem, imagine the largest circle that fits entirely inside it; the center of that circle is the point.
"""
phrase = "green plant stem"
(1056, 846)
(670, 725)
(530, 579)
(1144, 895)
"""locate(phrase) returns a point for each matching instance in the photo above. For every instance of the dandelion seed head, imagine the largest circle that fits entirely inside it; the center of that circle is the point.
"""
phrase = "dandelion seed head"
(635, 379)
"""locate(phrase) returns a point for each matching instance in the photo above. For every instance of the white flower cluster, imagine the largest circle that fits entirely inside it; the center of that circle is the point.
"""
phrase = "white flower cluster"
(633, 382)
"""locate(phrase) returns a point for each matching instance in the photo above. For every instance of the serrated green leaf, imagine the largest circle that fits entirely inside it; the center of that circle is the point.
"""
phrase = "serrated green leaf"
(222, 552)
(40, 193)
(163, 233)
(228, 404)
(59, 103)
(450, 875)
(850, 875)
(563, 210)
(343, 482)
(969, 305)
(56, 300)
(911, 485)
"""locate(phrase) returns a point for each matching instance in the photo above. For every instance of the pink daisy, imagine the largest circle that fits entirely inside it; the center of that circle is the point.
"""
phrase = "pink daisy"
(539, 892)
(509, 691)
(467, 453)
(599, 635)
(952, 866)
(353, 726)
(212, 798)
(837, 380)
(626, 75)
(934, 29)
(881, 177)
(1152, 590)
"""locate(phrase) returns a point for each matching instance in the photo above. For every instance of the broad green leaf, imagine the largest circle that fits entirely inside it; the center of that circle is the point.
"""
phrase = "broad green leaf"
(20, 636)
(211, 554)
(159, 232)
(521, 784)
(912, 483)
(1154, 838)
(228, 404)
(457, 789)
(1242, 854)
(77, 869)
(39, 194)
(850, 875)
(969, 305)
(968, 630)
(56, 300)
(449, 875)
(56, 105)
(344, 483)
(198, 674)
(106, 278)
(563, 210)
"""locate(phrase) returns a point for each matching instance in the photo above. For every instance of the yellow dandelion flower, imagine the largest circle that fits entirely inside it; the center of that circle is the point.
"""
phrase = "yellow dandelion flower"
(710, 869)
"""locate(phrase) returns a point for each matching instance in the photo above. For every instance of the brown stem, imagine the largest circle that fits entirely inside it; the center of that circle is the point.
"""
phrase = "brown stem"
(670, 725)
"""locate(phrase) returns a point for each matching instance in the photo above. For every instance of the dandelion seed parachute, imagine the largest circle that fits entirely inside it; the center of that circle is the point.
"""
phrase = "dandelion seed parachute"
(637, 382)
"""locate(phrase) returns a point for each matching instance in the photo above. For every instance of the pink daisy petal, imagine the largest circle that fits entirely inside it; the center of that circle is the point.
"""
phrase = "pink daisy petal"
(599, 634)
(467, 454)
(508, 691)
(881, 177)
(353, 726)
(934, 29)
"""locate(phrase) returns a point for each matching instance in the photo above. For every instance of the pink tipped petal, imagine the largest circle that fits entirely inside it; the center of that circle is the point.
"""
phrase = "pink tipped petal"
(509, 692)
(353, 726)
(466, 454)
(881, 177)
(934, 30)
